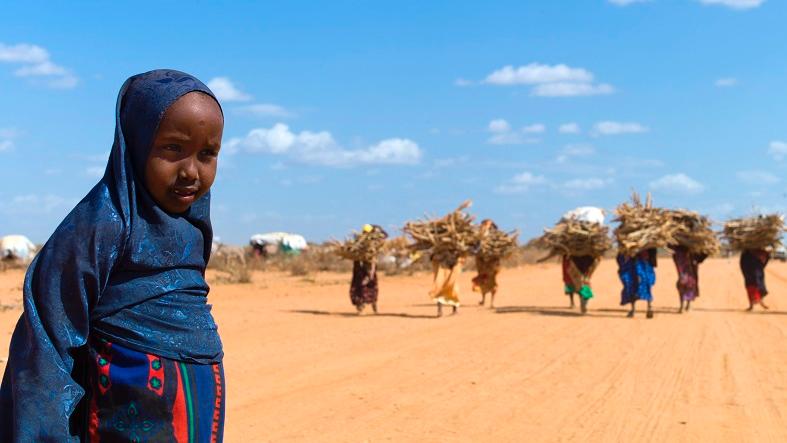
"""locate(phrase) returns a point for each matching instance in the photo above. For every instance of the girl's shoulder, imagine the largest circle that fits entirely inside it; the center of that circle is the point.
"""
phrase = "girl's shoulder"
(96, 216)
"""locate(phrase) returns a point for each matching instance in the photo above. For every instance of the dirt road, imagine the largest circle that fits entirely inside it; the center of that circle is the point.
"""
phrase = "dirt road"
(301, 366)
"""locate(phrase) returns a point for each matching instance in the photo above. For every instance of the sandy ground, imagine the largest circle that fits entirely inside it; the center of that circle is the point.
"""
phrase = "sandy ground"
(301, 366)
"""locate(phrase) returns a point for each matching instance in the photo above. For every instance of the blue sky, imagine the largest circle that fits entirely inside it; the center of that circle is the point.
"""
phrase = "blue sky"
(350, 112)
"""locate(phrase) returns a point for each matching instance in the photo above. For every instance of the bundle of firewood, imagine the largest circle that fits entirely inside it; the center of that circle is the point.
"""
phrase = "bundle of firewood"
(446, 238)
(642, 226)
(694, 232)
(361, 246)
(754, 232)
(496, 244)
(576, 238)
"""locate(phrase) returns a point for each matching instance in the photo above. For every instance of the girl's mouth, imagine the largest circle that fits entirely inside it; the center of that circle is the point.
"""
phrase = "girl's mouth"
(185, 195)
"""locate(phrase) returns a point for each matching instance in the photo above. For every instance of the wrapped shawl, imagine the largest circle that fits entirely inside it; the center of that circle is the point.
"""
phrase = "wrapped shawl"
(118, 267)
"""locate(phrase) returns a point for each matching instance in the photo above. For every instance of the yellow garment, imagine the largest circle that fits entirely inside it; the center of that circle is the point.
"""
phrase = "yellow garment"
(445, 289)
(486, 280)
(368, 228)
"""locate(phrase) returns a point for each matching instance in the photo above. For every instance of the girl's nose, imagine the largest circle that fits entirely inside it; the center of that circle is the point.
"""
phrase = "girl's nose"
(188, 170)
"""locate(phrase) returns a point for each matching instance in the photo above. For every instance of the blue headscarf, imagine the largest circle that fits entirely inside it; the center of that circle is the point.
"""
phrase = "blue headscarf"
(118, 268)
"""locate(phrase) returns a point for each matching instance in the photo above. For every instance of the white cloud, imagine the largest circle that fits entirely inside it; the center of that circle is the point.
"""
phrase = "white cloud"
(757, 177)
(41, 69)
(521, 183)
(734, 4)
(569, 128)
(499, 125)
(617, 128)
(726, 82)
(462, 82)
(536, 128)
(626, 2)
(6, 145)
(32, 204)
(586, 184)
(572, 151)
(503, 134)
(321, 148)
(23, 53)
(677, 183)
(549, 80)
(226, 91)
(36, 63)
(266, 110)
(778, 149)
(536, 73)
(571, 89)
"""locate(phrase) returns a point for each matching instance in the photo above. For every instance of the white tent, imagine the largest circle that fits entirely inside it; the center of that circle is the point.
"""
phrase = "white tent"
(586, 213)
(18, 247)
(286, 241)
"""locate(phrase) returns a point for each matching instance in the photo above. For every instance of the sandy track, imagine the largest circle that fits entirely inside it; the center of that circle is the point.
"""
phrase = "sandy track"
(302, 367)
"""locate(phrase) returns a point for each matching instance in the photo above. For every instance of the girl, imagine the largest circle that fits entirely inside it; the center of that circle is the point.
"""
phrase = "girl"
(116, 341)
(363, 288)
(638, 277)
(687, 265)
(753, 263)
(577, 271)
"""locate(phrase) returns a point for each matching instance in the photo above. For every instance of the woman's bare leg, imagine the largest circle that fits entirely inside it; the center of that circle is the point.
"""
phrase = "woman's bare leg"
(650, 310)
(631, 312)
(492, 304)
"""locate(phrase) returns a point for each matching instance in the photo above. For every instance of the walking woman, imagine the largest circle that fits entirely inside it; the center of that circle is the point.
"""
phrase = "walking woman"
(753, 262)
(577, 271)
(687, 264)
(638, 277)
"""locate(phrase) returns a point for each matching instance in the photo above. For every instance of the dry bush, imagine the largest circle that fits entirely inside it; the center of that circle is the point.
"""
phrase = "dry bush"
(318, 258)
(231, 268)
(12, 263)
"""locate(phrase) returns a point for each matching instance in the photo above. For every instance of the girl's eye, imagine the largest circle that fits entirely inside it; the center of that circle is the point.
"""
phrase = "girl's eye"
(173, 148)
(210, 153)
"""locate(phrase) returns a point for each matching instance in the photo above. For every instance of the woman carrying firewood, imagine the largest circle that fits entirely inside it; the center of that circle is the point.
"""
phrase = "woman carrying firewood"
(687, 264)
(753, 262)
(363, 248)
(577, 271)
(448, 240)
(363, 287)
(638, 277)
(487, 269)
(446, 269)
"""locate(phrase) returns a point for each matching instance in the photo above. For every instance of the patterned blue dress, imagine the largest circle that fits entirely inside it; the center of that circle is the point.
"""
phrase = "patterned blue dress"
(637, 275)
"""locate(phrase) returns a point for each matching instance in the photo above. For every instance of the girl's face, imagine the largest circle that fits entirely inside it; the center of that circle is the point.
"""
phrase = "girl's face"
(182, 162)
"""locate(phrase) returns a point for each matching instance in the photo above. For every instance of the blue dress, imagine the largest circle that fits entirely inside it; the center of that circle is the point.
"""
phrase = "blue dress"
(116, 337)
(637, 275)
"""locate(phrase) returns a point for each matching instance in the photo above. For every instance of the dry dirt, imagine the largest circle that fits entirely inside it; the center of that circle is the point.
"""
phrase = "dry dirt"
(301, 366)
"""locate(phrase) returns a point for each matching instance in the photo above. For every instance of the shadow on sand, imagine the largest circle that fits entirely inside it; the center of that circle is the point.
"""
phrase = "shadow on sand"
(354, 315)
(552, 311)
(757, 311)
